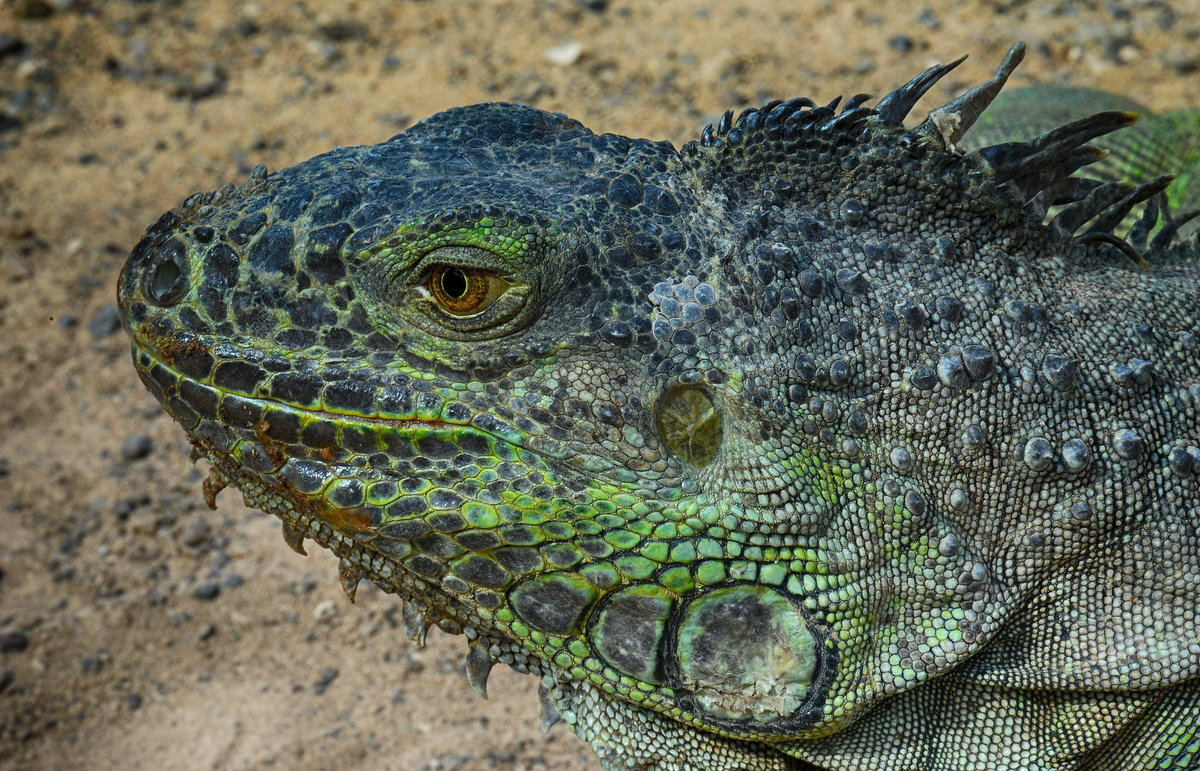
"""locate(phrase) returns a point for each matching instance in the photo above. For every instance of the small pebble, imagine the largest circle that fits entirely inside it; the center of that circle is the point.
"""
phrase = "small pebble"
(10, 46)
(342, 30)
(13, 641)
(1183, 62)
(136, 447)
(246, 27)
(565, 54)
(206, 592)
(123, 508)
(195, 532)
(133, 701)
(325, 611)
(328, 675)
(104, 323)
(27, 10)
(92, 665)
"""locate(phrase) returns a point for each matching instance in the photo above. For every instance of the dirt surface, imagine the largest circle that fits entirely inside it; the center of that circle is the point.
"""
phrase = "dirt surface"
(138, 629)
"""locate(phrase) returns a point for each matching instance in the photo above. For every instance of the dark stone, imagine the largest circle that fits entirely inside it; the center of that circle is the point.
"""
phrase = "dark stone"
(106, 321)
(136, 447)
(328, 675)
(13, 641)
(206, 592)
(10, 45)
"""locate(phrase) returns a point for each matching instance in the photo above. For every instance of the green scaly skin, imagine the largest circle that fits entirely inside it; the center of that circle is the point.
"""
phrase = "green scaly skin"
(810, 443)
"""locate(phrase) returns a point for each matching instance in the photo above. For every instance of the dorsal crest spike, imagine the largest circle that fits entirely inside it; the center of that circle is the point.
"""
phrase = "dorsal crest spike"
(1115, 214)
(856, 101)
(847, 118)
(1170, 229)
(1072, 218)
(953, 119)
(1016, 160)
(748, 119)
(896, 106)
(1049, 182)
(1139, 234)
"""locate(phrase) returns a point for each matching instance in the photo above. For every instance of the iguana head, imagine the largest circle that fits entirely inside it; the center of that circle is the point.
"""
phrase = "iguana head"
(646, 422)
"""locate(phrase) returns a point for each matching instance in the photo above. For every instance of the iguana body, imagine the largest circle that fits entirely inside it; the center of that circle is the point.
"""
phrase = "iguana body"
(809, 442)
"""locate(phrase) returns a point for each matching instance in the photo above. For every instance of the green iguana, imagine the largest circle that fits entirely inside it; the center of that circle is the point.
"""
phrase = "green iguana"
(814, 441)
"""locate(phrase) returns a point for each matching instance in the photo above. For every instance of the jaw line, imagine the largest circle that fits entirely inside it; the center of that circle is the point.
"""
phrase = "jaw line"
(401, 425)
(322, 414)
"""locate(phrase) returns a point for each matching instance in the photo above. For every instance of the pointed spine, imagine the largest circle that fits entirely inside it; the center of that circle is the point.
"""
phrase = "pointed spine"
(1170, 229)
(548, 713)
(953, 119)
(1070, 219)
(416, 624)
(294, 539)
(1055, 185)
(896, 106)
(725, 123)
(479, 666)
(349, 575)
(212, 485)
(1012, 160)
(1110, 219)
(1140, 232)
(856, 101)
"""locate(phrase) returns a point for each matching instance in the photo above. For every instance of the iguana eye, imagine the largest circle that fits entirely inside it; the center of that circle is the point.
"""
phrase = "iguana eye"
(462, 291)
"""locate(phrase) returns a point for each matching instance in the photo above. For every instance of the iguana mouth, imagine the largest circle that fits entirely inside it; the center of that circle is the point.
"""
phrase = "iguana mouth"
(244, 454)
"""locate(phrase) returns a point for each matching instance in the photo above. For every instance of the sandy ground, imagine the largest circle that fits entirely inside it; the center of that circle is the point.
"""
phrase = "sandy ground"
(138, 629)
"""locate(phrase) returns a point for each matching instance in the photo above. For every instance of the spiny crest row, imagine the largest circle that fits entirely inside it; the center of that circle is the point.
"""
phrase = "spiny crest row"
(1039, 171)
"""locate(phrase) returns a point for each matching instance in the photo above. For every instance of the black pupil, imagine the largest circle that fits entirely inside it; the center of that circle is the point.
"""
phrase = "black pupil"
(454, 283)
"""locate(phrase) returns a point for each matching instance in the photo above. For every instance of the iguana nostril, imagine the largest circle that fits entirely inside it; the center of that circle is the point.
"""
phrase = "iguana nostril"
(165, 280)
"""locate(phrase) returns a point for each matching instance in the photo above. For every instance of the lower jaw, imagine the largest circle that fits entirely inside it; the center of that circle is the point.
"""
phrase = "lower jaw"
(425, 604)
